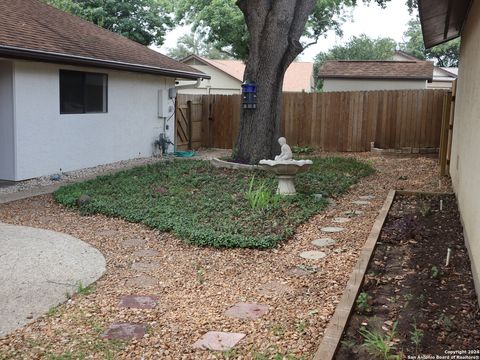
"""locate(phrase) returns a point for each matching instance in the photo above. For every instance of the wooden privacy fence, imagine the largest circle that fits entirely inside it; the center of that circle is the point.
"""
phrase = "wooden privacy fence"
(333, 121)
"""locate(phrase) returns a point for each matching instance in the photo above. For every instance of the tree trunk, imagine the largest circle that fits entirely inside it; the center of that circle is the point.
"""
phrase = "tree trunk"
(275, 27)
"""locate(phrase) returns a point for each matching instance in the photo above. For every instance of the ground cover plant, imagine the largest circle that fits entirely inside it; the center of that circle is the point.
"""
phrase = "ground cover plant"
(213, 207)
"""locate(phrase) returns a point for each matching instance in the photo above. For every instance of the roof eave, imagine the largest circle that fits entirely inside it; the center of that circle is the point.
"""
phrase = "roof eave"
(29, 54)
(374, 77)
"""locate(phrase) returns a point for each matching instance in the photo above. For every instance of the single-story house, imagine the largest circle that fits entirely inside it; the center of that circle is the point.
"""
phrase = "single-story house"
(226, 76)
(74, 95)
(360, 75)
(443, 20)
(443, 77)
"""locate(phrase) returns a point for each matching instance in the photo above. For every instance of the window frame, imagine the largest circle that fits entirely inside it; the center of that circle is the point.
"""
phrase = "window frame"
(84, 89)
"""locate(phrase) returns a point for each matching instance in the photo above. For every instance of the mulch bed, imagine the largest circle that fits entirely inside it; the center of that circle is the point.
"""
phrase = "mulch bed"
(434, 306)
(195, 286)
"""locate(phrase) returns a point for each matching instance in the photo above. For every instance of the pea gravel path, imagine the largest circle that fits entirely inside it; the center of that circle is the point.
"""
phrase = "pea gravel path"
(195, 286)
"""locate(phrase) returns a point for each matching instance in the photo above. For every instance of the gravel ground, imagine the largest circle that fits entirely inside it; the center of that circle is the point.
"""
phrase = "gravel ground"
(196, 285)
(71, 176)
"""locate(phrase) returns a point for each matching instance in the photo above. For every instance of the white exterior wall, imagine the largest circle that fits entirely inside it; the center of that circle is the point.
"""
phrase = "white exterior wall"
(465, 159)
(48, 142)
(220, 83)
(7, 126)
(367, 84)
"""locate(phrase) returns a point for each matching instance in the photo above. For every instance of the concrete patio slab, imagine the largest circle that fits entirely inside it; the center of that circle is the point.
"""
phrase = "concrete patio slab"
(37, 269)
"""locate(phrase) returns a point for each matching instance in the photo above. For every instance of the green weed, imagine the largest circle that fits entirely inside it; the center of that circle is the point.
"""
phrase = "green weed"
(362, 302)
(378, 344)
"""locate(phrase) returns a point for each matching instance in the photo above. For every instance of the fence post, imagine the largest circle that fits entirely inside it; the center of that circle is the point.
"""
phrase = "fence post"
(189, 122)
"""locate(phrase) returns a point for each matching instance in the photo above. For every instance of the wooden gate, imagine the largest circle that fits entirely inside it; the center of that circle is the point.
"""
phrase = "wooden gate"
(445, 151)
(188, 123)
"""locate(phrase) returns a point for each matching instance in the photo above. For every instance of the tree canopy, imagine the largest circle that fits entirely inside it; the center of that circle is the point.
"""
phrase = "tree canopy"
(444, 55)
(143, 21)
(194, 43)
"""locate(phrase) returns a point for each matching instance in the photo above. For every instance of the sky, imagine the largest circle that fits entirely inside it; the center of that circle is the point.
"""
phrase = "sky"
(368, 19)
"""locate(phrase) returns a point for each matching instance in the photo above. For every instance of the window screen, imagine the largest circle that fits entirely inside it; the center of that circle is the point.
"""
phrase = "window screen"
(82, 92)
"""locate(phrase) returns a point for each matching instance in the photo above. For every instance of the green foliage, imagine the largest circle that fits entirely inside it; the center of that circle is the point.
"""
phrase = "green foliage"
(143, 21)
(84, 290)
(362, 302)
(378, 344)
(435, 272)
(416, 336)
(357, 48)
(206, 206)
(303, 150)
(261, 198)
(425, 209)
(444, 55)
(194, 43)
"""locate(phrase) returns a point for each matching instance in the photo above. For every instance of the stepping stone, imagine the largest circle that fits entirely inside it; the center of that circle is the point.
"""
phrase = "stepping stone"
(331, 203)
(138, 302)
(313, 255)
(146, 266)
(323, 242)
(142, 281)
(332, 229)
(302, 270)
(354, 213)
(146, 253)
(341, 220)
(247, 311)
(361, 202)
(124, 332)
(366, 197)
(133, 242)
(274, 289)
(218, 341)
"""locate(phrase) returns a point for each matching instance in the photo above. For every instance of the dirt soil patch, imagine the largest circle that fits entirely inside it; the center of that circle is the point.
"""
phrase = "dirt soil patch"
(195, 286)
(433, 307)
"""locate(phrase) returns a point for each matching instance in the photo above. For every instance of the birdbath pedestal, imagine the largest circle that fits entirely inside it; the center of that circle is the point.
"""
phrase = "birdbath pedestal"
(286, 170)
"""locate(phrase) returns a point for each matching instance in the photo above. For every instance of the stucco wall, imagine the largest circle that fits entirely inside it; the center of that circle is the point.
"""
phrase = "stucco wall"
(48, 142)
(366, 84)
(220, 83)
(465, 164)
(7, 131)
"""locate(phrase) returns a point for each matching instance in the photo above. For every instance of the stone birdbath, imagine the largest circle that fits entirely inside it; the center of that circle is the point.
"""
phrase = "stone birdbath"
(285, 168)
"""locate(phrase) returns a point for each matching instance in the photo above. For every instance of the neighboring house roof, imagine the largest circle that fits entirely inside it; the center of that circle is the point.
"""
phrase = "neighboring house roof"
(442, 20)
(451, 70)
(298, 76)
(31, 29)
(395, 70)
(405, 56)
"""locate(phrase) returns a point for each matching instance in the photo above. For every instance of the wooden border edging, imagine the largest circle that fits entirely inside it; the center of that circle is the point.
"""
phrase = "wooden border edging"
(336, 325)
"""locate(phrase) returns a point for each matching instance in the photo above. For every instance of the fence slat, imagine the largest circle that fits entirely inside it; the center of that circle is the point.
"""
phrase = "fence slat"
(333, 121)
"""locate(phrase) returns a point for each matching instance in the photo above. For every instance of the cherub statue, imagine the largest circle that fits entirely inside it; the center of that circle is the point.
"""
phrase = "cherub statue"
(286, 153)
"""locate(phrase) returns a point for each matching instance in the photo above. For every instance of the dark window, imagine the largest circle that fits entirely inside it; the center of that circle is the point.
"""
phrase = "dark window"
(82, 92)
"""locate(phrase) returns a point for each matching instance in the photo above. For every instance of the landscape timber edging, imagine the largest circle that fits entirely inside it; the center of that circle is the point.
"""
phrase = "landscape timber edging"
(334, 331)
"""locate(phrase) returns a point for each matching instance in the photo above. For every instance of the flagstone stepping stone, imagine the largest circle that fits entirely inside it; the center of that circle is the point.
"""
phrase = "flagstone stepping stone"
(332, 229)
(323, 242)
(124, 331)
(218, 341)
(142, 281)
(133, 242)
(146, 266)
(366, 197)
(274, 289)
(301, 270)
(352, 213)
(138, 302)
(249, 311)
(146, 253)
(361, 202)
(313, 255)
(341, 220)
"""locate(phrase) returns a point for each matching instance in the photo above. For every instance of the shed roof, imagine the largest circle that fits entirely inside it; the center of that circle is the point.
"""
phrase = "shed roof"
(297, 77)
(397, 70)
(31, 29)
